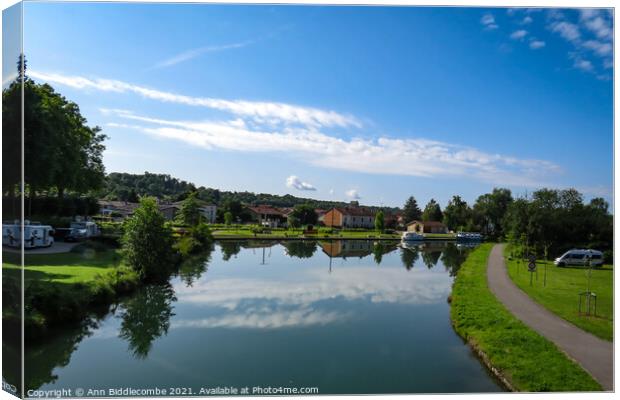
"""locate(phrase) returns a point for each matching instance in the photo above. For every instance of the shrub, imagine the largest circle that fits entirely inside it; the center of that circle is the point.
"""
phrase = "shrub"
(147, 241)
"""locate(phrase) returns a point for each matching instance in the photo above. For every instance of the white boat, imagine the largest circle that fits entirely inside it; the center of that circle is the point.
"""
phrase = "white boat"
(411, 237)
(468, 236)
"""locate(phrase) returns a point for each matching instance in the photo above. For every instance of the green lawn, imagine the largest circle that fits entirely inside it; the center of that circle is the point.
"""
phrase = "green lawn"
(64, 267)
(561, 293)
(528, 361)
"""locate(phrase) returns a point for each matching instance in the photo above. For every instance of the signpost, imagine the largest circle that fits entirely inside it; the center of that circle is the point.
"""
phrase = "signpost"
(546, 260)
(531, 266)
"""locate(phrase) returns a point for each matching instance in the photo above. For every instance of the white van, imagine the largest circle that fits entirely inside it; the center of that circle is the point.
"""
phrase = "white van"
(35, 235)
(580, 257)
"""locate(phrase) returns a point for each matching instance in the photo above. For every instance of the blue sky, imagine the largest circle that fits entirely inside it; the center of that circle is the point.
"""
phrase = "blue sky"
(376, 103)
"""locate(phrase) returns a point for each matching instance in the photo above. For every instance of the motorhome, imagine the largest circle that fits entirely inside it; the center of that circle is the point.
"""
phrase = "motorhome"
(580, 257)
(35, 235)
(82, 230)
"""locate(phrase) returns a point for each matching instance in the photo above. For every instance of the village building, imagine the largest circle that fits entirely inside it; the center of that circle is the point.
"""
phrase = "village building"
(268, 216)
(349, 217)
(427, 227)
(116, 210)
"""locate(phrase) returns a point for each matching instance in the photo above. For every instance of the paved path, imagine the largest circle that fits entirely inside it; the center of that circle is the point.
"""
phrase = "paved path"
(593, 354)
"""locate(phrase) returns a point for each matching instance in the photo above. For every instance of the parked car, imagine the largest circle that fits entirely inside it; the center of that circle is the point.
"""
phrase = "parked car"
(82, 231)
(580, 257)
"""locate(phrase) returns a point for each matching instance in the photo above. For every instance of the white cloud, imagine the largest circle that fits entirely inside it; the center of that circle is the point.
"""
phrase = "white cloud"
(600, 48)
(193, 53)
(527, 20)
(488, 20)
(520, 34)
(353, 194)
(294, 182)
(597, 23)
(567, 30)
(276, 113)
(582, 64)
(536, 44)
(383, 155)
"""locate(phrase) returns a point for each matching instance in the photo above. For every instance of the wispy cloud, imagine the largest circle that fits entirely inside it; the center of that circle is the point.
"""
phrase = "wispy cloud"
(261, 112)
(353, 194)
(527, 20)
(294, 182)
(426, 158)
(536, 44)
(517, 35)
(567, 30)
(488, 20)
(193, 53)
(590, 35)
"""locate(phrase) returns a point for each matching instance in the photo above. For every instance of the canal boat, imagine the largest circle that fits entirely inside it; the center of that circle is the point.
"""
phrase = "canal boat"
(411, 237)
(468, 236)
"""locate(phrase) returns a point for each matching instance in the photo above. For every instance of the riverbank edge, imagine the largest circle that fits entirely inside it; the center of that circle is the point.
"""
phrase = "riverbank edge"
(460, 324)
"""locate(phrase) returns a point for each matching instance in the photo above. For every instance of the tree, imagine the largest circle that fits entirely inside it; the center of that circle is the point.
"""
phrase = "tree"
(189, 214)
(305, 214)
(147, 241)
(60, 151)
(293, 221)
(457, 214)
(411, 211)
(380, 221)
(489, 211)
(228, 218)
(432, 212)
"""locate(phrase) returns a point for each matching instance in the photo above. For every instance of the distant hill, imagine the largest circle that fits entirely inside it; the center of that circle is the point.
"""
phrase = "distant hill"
(129, 187)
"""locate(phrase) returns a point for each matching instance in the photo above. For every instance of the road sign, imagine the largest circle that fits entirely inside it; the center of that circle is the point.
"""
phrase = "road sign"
(531, 266)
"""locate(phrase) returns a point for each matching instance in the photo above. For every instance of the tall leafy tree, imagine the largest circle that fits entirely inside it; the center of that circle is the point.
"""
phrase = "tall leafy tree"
(189, 214)
(305, 214)
(457, 214)
(147, 241)
(432, 211)
(490, 209)
(61, 152)
(411, 211)
(380, 221)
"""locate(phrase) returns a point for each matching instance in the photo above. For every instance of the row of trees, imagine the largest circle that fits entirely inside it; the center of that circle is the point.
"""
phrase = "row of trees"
(556, 219)
(61, 152)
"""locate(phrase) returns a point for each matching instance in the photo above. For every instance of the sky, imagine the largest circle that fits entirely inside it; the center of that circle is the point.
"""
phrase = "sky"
(339, 102)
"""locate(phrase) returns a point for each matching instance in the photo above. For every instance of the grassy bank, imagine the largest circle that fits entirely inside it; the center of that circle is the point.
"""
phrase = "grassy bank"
(65, 287)
(561, 293)
(526, 360)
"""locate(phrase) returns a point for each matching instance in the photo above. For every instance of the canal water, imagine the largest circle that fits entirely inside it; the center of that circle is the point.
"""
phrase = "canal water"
(341, 316)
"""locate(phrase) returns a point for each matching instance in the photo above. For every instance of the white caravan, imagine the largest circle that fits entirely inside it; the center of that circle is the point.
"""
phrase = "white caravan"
(35, 235)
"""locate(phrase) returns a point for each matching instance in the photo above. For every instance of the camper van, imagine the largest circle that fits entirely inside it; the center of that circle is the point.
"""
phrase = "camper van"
(82, 230)
(580, 257)
(35, 235)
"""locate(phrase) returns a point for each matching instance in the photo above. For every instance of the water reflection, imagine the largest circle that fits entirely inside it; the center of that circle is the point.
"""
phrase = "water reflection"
(238, 308)
(145, 317)
(300, 248)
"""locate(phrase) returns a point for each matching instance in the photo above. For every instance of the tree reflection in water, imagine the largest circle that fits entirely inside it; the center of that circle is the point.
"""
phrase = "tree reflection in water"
(192, 268)
(453, 257)
(146, 317)
(409, 255)
(300, 248)
(229, 248)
